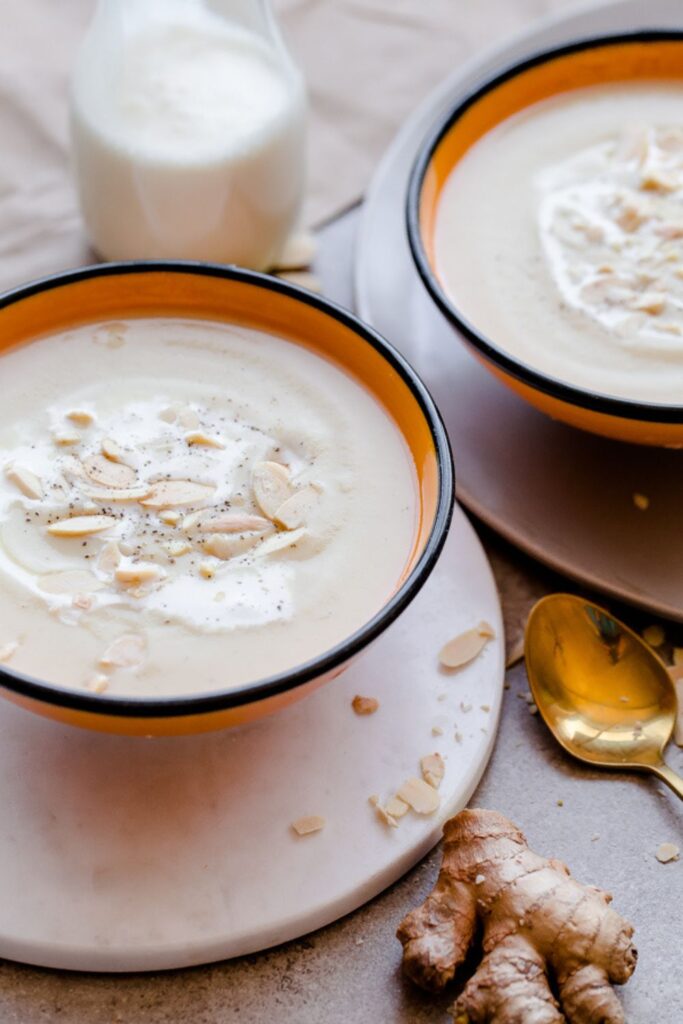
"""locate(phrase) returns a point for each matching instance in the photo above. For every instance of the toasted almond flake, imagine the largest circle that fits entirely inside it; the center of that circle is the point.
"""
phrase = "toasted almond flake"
(127, 651)
(271, 486)
(457, 736)
(294, 512)
(298, 252)
(465, 707)
(281, 541)
(667, 852)
(70, 581)
(65, 436)
(437, 730)
(103, 471)
(463, 648)
(230, 545)
(170, 493)
(109, 557)
(654, 636)
(98, 683)
(641, 501)
(8, 650)
(119, 494)
(650, 302)
(113, 451)
(81, 526)
(137, 575)
(306, 826)
(170, 517)
(202, 440)
(382, 813)
(303, 279)
(27, 482)
(419, 795)
(207, 570)
(189, 522)
(432, 767)
(485, 707)
(364, 705)
(516, 652)
(230, 522)
(188, 418)
(81, 417)
(396, 807)
(177, 548)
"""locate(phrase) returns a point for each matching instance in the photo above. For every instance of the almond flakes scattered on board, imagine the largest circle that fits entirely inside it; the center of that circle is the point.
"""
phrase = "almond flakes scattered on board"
(307, 825)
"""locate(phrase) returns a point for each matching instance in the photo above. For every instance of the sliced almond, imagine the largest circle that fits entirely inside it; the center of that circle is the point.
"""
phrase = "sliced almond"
(650, 302)
(432, 767)
(120, 494)
(171, 493)
(305, 826)
(279, 542)
(170, 517)
(110, 474)
(81, 417)
(66, 436)
(382, 812)
(113, 451)
(71, 581)
(364, 705)
(295, 511)
(137, 575)
(27, 482)
(396, 807)
(419, 795)
(464, 648)
(109, 557)
(207, 570)
(270, 482)
(127, 651)
(177, 548)
(8, 650)
(98, 684)
(229, 522)
(230, 545)
(81, 526)
(199, 438)
(667, 852)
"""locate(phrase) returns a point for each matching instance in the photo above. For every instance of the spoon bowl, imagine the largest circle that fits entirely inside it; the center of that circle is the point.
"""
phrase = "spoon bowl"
(602, 691)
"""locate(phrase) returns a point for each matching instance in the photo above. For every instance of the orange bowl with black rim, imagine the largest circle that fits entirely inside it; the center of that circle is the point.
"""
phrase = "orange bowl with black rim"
(112, 292)
(649, 56)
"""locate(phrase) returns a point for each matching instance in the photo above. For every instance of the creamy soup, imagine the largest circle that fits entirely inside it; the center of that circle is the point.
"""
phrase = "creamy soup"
(187, 506)
(560, 236)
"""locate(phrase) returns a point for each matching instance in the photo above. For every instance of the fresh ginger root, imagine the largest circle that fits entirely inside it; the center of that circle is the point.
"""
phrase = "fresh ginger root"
(536, 922)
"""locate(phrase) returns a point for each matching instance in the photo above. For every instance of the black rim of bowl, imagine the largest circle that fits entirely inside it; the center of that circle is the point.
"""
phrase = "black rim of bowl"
(622, 408)
(206, 702)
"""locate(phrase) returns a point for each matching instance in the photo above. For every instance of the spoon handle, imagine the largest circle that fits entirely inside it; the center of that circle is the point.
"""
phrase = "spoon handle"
(672, 779)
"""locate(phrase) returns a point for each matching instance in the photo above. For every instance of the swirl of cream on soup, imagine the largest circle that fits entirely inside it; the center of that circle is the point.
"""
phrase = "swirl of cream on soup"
(610, 218)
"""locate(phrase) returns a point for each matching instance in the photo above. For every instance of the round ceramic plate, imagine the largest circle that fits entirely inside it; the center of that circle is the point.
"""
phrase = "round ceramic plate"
(121, 854)
(563, 496)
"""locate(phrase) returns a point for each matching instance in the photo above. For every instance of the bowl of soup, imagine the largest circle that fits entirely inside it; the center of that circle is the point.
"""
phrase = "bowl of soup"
(545, 216)
(216, 489)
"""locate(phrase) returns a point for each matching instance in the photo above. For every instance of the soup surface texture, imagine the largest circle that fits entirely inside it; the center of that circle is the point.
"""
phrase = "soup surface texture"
(559, 235)
(186, 506)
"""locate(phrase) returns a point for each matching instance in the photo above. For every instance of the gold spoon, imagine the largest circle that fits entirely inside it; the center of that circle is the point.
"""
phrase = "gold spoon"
(602, 692)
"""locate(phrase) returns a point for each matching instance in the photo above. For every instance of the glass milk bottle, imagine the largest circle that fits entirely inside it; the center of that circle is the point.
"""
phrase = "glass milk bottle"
(188, 131)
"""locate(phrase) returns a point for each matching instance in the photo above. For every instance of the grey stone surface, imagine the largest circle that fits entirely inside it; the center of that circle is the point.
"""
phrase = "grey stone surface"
(606, 827)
